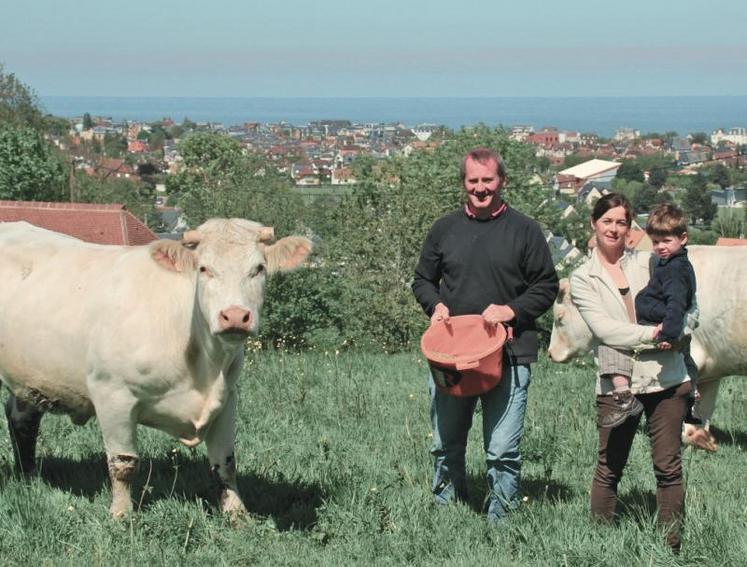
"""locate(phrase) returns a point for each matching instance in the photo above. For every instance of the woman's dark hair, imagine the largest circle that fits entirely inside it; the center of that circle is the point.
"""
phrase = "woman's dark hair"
(610, 201)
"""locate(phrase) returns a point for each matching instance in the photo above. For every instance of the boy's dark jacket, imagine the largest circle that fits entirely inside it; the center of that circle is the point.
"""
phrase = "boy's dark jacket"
(668, 295)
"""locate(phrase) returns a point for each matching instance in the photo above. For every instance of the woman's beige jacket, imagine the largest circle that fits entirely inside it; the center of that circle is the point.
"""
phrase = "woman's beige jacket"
(599, 301)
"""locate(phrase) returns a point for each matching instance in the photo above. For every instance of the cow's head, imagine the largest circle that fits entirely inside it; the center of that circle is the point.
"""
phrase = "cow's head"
(570, 335)
(231, 258)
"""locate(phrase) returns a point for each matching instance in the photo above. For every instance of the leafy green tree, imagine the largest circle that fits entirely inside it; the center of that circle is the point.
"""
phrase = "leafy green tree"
(219, 180)
(658, 177)
(697, 201)
(19, 105)
(630, 170)
(114, 145)
(30, 170)
(87, 121)
(55, 125)
(699, 138)
(137, 197)
(573, 159)
(718, 174)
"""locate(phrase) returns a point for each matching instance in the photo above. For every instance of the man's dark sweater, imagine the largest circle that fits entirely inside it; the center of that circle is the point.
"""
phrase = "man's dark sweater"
(668, 295)
(467, 264)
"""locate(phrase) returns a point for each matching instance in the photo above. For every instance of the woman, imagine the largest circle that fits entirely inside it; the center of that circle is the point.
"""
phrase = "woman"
(603, 290)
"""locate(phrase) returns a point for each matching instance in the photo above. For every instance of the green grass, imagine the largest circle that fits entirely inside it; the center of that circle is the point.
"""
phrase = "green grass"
(334, 466)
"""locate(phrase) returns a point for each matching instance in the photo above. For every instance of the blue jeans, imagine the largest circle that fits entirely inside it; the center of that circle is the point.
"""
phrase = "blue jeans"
(503, 410)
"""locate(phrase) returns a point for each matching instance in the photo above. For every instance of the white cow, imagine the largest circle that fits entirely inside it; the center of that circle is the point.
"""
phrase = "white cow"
(719, 345)
(149, 335)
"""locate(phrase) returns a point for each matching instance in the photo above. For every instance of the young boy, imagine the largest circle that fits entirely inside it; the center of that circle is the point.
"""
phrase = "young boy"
(663, 302)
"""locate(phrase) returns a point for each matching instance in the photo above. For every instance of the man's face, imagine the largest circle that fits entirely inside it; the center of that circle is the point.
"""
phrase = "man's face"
(482, 184)
(667, 246)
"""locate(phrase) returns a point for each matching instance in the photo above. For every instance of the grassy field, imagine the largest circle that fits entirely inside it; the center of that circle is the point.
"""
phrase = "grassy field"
(334, 467)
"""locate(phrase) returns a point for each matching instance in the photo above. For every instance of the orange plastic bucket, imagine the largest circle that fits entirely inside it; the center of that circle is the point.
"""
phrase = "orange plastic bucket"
(465, 355)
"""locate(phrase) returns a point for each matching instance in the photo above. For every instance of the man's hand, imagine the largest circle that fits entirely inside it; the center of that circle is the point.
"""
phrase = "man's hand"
(496, 314)
(440, 313)
(664, 345)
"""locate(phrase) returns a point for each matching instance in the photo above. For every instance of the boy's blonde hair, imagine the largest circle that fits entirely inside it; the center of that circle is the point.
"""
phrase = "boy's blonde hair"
(666, 220)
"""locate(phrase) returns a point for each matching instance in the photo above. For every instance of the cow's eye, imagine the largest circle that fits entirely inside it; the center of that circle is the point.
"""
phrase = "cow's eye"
(205, 270)
(259, 270)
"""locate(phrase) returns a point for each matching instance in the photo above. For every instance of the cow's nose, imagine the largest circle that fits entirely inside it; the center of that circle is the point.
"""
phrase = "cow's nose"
(235, 319)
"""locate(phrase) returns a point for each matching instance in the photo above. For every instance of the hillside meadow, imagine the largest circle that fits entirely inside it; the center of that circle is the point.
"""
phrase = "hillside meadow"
(333, 463)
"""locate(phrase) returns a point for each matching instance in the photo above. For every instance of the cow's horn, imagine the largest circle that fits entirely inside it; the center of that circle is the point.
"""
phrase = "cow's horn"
(191, 237)
(266, 234)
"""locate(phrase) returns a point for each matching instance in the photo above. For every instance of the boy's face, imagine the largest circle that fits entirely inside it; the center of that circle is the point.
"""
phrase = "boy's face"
(666, 246)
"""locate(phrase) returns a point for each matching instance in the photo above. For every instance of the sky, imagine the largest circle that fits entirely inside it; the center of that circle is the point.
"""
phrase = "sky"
(378, 48)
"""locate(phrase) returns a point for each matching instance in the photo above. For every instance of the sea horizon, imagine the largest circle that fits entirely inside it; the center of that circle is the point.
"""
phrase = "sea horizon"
(602, 115)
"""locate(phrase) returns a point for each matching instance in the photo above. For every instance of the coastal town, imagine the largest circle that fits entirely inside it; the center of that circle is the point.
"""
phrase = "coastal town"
(322, 152)
(574, 167)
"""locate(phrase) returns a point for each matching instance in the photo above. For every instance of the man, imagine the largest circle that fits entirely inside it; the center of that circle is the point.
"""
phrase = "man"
(491, 260)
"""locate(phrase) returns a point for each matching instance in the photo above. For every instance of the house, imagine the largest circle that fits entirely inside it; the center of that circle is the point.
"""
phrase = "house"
(342, 176)
(563, 253)
(115, 168)
(547, 137)
(626, 134)
(736, 136)
(729, 197)
(100, 224)
(570, 180)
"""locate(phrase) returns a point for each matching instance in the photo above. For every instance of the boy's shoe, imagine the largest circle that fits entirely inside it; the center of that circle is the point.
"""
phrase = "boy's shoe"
(691, 418)
(626, 406)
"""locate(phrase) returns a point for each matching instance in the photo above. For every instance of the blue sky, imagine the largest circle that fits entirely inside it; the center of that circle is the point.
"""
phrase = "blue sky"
(298, 48)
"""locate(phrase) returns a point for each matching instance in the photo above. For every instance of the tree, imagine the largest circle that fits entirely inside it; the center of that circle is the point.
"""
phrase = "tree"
(699, 138)
(658, 177)
(114, 145)
(55, 125)
(630, 170)
(137, 197)
(719, 174)
(573, 159)
(87, 122)
(219, 180)
(697, 201)
(19, 105)
(29, 168)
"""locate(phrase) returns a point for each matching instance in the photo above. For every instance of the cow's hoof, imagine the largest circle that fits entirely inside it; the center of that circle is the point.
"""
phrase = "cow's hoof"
(700, 438)
(120, 509)
(231, 504)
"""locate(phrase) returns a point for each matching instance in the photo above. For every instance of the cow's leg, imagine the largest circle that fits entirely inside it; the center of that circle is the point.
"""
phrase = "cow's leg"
(115, 412)
(23, 425)
(700, 436)
(220, 448)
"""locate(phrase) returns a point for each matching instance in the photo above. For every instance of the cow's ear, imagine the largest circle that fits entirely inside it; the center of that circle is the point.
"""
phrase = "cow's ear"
(564, 286)
(287, 253)
(172, 255)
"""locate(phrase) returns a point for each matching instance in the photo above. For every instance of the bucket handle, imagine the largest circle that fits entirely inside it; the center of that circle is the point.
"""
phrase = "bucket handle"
(467, 365)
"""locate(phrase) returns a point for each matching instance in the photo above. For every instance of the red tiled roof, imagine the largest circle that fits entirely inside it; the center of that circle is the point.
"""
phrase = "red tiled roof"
(731, 242)
(101, 224)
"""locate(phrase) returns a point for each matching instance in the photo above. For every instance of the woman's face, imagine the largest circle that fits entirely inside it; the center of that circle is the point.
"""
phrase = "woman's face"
(612, 229)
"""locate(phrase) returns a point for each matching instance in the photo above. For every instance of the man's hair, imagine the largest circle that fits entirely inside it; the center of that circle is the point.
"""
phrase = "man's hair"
(666, 220)
(483, 156)
(610, 201)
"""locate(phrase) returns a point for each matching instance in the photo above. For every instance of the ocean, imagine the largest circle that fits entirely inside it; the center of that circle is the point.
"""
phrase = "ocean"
(600, 115)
